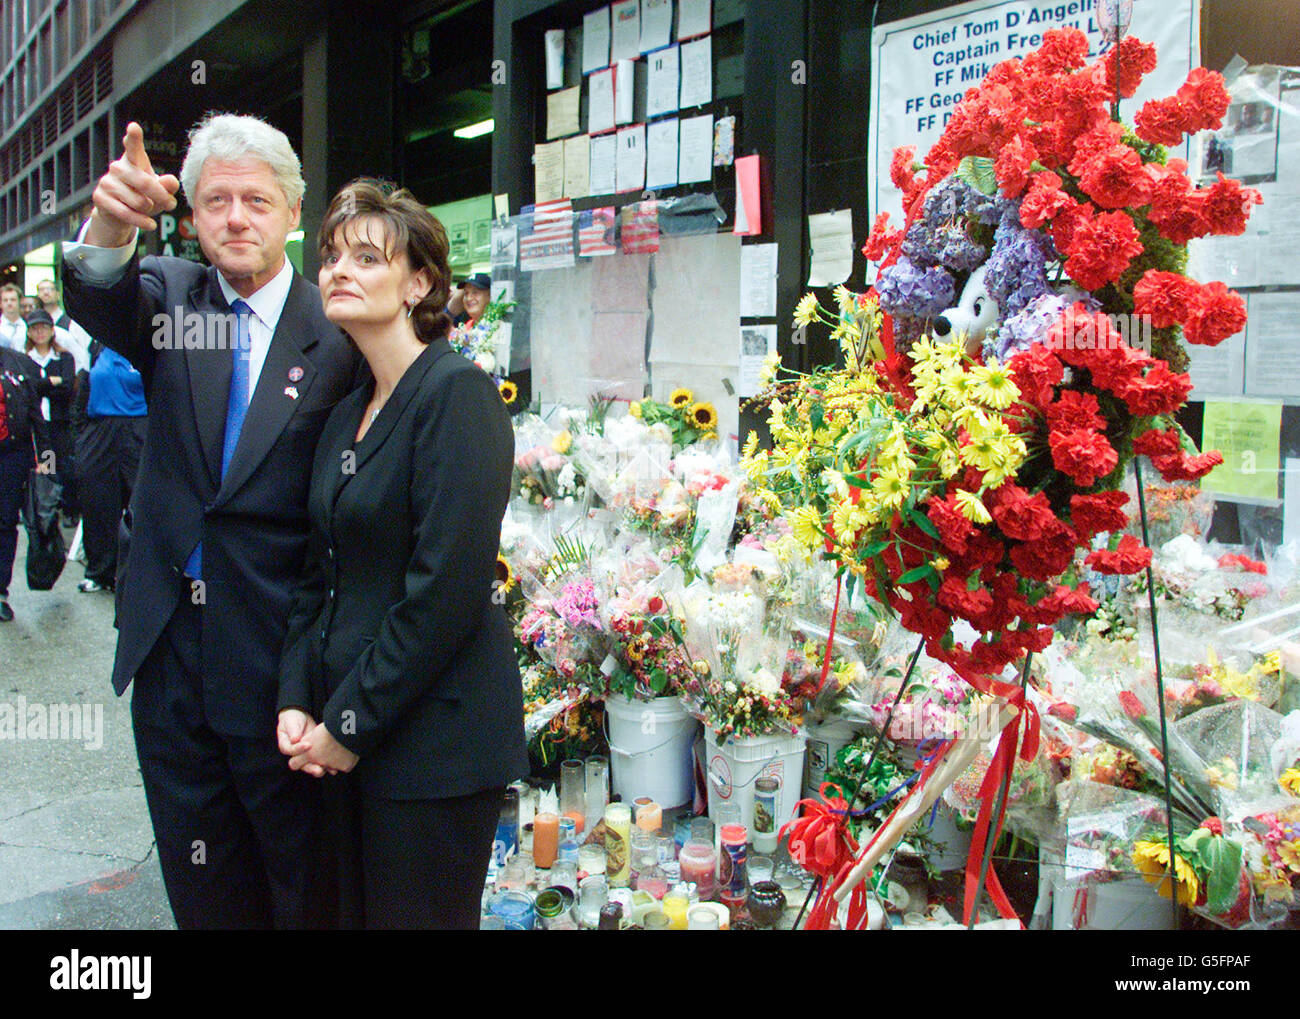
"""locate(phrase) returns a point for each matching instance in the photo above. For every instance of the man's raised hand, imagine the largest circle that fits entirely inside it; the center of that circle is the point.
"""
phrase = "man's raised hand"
(129, 195)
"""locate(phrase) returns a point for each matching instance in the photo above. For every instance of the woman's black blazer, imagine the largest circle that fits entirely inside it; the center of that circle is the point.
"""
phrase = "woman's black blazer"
(395, 641)
(64, 368)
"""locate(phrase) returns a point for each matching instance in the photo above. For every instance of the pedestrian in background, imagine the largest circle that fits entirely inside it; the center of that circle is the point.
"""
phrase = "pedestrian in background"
(13, 330)
(23, 434)
(108, 456)
(56, 386)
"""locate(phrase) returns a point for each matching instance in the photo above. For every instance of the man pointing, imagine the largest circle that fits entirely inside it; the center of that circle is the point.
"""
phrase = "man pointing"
(218, 522)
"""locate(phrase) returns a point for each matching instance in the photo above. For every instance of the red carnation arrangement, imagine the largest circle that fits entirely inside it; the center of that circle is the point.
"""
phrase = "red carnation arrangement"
(1115, 209)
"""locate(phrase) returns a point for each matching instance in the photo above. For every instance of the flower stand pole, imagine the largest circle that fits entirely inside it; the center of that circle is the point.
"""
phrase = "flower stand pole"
(1160, 698)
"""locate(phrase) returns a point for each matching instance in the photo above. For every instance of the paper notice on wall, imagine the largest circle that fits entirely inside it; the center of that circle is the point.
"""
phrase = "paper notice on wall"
(661, 82)
(1248, 434)
(758, 280)
(553, 40)
(656, 24)
(1272, 342)
(694, 17)
(696, 300)
(595, 40)
(600, 101)
(577, 166)
(749, 218)
(724, 142)
(1218, 371)
(830, 235)
(505, 245)
(602, 180)
(548, 167)
(630, 166)
(562, 112)
(625, 40)
(1291, 509)
(661, 154)
(697, 73)
(695, 159)
(756, 342)
(624, 91)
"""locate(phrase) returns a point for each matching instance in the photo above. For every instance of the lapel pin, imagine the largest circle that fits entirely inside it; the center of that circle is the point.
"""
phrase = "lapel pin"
(291, 391)
(295, 374)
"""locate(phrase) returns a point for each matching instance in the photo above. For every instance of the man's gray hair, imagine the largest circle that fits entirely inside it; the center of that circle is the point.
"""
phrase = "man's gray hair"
(232, 137)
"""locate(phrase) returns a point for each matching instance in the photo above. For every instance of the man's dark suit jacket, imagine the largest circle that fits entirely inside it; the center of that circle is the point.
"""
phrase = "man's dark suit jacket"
(253, 524)
(396, 642)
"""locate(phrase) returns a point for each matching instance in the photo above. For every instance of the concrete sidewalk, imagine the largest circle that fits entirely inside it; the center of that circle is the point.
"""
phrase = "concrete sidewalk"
(76, 846)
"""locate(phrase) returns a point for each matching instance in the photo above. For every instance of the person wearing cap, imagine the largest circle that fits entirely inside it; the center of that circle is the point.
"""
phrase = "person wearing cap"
(23, 433)
(56, 385)
(470, 300)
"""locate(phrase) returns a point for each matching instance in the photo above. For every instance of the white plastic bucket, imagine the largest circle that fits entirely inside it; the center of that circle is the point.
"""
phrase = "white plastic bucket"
(650, 749)
(734, 766)
(1129, 904)
(824, 742)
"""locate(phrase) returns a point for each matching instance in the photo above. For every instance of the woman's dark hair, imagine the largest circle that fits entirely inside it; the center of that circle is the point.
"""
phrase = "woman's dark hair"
(408, 228)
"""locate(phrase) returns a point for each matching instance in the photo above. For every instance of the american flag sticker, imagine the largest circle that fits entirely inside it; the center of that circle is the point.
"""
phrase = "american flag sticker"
(596, 232)
(550, 244)
(641, 228)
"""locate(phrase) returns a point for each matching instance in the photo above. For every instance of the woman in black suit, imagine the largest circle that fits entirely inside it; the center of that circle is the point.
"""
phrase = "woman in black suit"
(56, 385)
(398, 684)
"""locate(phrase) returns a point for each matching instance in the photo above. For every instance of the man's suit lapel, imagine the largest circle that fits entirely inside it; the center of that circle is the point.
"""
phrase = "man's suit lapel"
(274, 402)
(407, 387)
(209, 370)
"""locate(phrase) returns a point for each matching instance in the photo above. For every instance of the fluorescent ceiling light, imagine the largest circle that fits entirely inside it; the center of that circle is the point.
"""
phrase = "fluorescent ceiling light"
(474, 130)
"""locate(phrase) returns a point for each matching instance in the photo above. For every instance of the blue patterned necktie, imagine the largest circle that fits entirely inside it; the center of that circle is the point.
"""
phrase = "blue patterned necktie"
(236, 410)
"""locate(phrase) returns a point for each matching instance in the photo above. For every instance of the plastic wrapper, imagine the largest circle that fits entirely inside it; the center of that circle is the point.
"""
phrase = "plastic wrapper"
(544, 471)
(738, 652)
(1233, 744)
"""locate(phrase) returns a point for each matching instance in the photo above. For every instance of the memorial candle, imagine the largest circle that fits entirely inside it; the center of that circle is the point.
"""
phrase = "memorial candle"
(546, 838)
(649, 817)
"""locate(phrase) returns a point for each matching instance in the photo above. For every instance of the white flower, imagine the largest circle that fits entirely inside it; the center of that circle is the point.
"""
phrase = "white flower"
(567, 478)
(764, 681)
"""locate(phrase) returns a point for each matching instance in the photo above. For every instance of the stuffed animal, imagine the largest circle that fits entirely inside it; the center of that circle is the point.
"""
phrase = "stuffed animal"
(976, 311)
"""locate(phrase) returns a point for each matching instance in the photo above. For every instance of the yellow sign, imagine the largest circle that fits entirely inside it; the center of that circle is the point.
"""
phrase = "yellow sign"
(1248, 435)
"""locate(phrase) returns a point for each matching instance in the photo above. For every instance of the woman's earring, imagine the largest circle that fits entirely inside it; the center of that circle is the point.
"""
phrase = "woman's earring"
(409, 308)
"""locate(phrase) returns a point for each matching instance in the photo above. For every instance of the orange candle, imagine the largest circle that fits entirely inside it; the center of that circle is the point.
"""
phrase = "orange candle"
(649, 817)
(578, 819)
(546, 838)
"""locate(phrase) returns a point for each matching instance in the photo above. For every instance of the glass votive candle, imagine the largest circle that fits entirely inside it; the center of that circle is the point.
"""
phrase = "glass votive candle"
(649, 816)
(546, 839)
(591, 858)
(593, 894)
(513, 877)
(702, 919)
(699, 865)
(564, 874)
(666, 849)
(597, 789)
(701, 829)
(759, 868)
(618, 828)
(515, 910)
(656, 920)
(573, 791)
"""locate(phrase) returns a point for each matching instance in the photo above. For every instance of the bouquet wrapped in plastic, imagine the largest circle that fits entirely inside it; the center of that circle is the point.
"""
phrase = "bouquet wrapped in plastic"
(738, 654)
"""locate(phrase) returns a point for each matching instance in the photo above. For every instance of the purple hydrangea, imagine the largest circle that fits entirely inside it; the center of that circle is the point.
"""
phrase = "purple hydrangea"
(906, 289)
(1030, 325)
(1017, 267)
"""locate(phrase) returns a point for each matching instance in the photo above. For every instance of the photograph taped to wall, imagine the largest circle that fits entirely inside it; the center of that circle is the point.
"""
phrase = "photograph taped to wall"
(1246, 147)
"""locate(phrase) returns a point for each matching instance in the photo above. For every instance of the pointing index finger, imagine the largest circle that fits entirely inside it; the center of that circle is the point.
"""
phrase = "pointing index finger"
(133, 146)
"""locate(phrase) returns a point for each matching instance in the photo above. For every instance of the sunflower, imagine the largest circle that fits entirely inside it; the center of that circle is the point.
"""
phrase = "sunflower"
(508, 390)
(680, 398)
(504, 574)
(1151, 858)
(1290, 781)
(704, 416)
